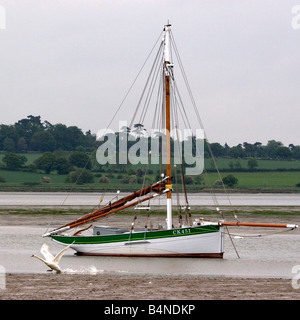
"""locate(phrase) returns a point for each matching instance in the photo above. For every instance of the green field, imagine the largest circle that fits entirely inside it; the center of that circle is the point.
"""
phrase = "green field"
(255, 181)
(264, 179)
(223, 163)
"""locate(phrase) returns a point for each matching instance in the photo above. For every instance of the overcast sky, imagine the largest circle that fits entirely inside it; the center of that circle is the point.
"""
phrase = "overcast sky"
(72, 62)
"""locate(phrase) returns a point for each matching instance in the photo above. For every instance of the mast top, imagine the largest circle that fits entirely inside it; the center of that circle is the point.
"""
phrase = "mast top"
(167, 47)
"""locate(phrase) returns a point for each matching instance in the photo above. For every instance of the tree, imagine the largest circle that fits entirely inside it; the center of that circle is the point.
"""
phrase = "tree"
(217, 149)
(139, 129)
(61, 137)
(236, 152)
(252, 164)
(46, 162)
(27, 127)
(296, 152)
(283, 153)
(21, 145)
(272, 147)
(62, 165)
(235, 165)
(259, 149)
(9, 145)
(77, 137)
(80, 160)
(90, 140)
(8, 132)
(250, 149)
(42, 141)
(13, 161)
(68, 138)
(230, 180)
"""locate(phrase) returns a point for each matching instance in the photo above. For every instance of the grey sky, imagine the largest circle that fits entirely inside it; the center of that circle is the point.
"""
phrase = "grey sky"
(72, 62)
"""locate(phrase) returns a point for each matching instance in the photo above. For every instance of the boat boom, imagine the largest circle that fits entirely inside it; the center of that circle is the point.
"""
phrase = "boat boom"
(251, 224)
(48, 234)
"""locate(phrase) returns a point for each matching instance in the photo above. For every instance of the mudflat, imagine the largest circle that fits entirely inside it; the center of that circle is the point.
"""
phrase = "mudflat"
(143, 287)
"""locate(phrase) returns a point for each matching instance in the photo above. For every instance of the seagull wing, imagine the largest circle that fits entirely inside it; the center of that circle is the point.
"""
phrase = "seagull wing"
(46, 253)
(61, 253)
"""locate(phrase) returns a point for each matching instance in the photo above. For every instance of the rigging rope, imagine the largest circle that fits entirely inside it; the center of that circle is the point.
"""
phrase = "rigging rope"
(202, 127)
(154, 66)
(261, 235)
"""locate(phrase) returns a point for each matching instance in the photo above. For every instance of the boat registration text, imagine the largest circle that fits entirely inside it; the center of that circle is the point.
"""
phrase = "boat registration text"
(181, 231)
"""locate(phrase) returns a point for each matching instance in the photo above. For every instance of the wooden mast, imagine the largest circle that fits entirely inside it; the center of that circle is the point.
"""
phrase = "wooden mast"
(167, 73)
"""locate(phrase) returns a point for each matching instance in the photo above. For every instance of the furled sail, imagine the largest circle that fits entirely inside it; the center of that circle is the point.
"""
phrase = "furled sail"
(112, 207)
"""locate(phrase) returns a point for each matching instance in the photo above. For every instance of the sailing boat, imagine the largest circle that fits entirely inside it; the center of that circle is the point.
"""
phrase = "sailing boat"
(199, 238)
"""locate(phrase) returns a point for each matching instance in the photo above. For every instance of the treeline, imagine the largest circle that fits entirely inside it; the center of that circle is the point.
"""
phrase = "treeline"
(33, 135)
(273, 150)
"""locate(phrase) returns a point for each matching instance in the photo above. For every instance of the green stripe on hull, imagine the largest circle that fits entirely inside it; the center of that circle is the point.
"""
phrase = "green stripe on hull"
(137, 236)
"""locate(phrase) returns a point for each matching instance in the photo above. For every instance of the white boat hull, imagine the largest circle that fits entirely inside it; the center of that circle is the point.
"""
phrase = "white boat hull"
(210, 244)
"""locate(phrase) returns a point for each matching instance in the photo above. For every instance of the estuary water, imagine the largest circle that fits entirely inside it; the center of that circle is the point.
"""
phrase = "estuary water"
(256, 252)
(92, 199)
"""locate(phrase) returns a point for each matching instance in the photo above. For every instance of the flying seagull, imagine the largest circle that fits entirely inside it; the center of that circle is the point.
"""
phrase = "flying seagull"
(51, 261)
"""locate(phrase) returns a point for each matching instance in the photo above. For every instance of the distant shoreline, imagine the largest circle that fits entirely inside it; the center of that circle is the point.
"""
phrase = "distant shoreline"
(203, 190)
(155, 210)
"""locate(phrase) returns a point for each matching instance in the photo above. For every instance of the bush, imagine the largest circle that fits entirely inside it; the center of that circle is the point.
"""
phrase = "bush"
(13, 161)
(230, 180)
(189, 180)
(218, 183)
(80, 160)
(104, 179)
(80, 176)
(62, 165)
(125, 180)
(199, 179)
(133, 179)
(46, 162)
(2, 179)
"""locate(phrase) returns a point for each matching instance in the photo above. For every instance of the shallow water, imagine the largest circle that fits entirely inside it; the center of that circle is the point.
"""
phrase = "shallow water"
(260, 256)
(264, 256)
